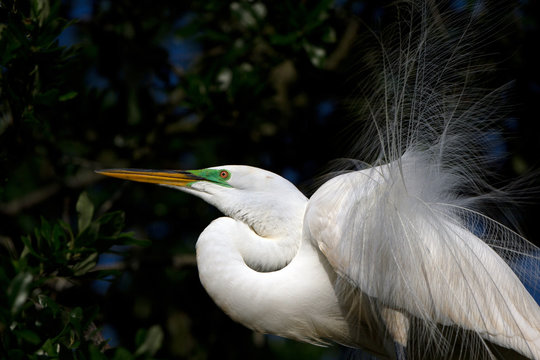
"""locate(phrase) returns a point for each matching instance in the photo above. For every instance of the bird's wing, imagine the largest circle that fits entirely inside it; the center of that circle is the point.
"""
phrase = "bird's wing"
(377, 231)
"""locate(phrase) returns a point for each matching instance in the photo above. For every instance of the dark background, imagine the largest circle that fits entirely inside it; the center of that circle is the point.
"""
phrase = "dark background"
(160, 84)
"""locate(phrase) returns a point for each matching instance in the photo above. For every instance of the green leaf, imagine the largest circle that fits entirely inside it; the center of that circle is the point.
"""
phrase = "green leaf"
(18, 291)
(16, 354)
(40, 10)
(66, 229)
(68, 96)
(28, 336)
(29, 249)
(49, 348)
(284, 40)
(316, 54)
(329, 35)
(47, 97)
(45, 230)
(86, 265)
(122, 354)
(111, 223)
(96, 354)
(85, 209)
(129, 240)
(58, 237)
(150, 341)
(75, 317)
(48, 303)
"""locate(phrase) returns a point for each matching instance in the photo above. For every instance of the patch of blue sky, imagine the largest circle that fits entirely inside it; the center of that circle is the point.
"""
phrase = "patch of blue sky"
(188, 160)
(358, 7)
(528, 269)
(110, 334)
(534, 86)
(340, 3)
(112, 258)
(182, 52)
(291, 174)
(69, 36)
(81, 9)
(461, 5)
(324, 109)
(95, 80)
(158, 89)
(497, 149)
(158, 230)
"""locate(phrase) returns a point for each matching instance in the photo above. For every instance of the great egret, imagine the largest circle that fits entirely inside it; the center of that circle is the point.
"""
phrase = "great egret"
(397, 254)
(277, 262)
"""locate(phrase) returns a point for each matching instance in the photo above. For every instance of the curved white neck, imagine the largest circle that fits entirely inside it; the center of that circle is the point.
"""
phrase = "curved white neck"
(270, 252)
(297, 301)
(270, 224)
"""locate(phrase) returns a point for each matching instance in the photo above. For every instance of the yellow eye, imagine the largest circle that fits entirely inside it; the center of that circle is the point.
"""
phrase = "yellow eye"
(224, 174)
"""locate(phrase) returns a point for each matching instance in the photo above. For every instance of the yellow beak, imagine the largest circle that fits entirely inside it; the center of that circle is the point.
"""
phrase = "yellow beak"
(162, 177)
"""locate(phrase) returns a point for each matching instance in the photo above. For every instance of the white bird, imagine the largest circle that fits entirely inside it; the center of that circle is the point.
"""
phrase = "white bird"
(394, 255)
(284, 265)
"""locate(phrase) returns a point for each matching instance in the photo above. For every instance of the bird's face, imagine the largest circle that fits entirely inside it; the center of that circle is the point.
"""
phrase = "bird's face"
(214, 181)
(255, 196)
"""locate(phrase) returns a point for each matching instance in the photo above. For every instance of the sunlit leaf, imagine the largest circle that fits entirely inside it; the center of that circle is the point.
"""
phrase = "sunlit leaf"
(85, 209)
(29, 248)
(151, 342)
(317, 55)
(49, 347)
(86, 265)
(329, 35)
(67, 96)
(18, 291)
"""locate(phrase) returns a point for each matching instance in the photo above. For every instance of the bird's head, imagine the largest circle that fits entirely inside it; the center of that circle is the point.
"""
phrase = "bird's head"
(263, 200)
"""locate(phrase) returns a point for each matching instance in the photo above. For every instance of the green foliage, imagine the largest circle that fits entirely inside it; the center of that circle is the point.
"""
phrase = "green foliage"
(34, 323)
(29, 47)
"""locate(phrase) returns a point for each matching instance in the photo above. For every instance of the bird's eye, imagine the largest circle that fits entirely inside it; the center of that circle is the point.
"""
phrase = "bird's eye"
(224, 174)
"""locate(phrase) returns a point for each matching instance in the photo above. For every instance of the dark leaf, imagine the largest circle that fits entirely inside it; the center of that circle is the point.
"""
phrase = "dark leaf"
(122, 354)
(75, 318)
(96, 354)
(28, 336)
(48, 303)
(16, 354)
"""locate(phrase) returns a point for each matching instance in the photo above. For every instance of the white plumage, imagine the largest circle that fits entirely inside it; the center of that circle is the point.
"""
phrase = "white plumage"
(414, 254)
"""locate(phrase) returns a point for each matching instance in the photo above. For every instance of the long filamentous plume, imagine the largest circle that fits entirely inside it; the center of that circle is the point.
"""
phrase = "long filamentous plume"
(428, 138)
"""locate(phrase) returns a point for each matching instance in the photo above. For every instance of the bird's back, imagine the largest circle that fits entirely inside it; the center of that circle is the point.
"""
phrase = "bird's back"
(407, 247)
